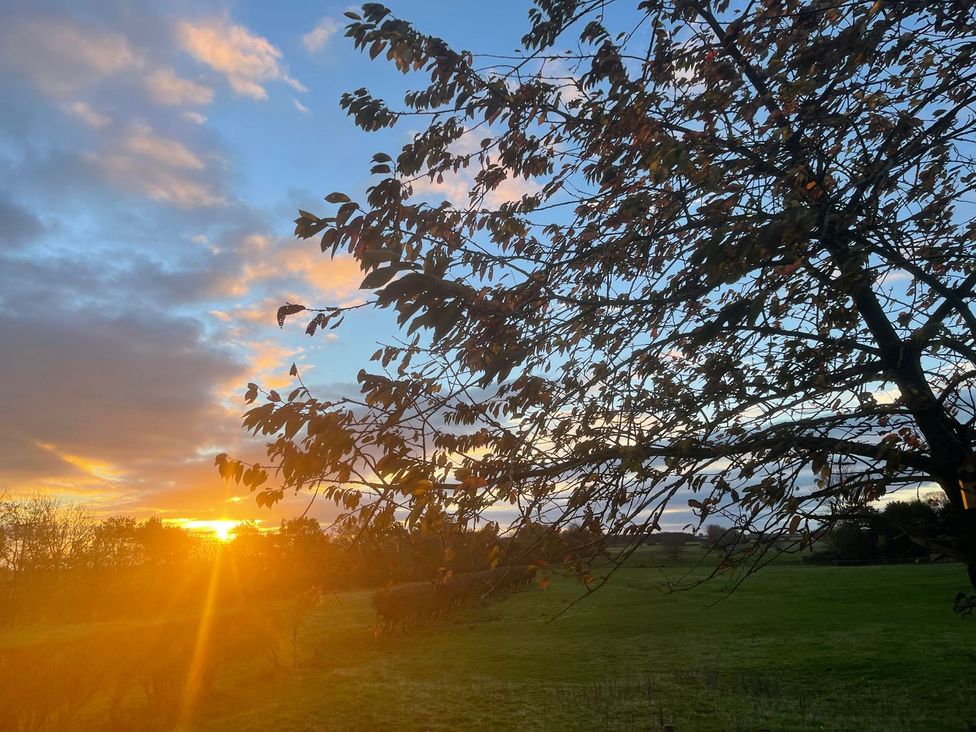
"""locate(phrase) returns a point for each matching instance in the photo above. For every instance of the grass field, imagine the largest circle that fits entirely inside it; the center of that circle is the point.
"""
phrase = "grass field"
(796, 647)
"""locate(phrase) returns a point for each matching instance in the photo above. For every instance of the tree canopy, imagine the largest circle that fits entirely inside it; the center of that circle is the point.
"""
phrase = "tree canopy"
(735, 275)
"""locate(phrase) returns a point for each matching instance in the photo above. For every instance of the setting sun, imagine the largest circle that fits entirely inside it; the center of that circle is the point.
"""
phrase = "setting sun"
(222, 529)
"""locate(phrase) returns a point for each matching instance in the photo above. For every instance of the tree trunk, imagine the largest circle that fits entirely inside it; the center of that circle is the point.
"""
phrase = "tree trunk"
(964, 525)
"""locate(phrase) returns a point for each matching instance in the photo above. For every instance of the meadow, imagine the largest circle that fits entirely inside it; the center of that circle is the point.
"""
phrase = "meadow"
(795, 647)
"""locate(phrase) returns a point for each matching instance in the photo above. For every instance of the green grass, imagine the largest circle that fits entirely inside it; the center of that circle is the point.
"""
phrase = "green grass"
(796, 647)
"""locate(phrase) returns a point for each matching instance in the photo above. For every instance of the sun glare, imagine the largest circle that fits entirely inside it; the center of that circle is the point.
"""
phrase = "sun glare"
(222, 529)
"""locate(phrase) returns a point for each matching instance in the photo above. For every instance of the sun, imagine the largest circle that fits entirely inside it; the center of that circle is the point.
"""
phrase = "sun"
(222, 529)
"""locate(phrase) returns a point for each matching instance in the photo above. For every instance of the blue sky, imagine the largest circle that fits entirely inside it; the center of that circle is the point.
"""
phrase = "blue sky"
(153, 157)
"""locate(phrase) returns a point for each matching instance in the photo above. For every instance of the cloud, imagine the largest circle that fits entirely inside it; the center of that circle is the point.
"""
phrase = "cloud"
(457, 188)
(88, 115)
(139, 390)
(120, 335)
(158, 183)
(162, 150)
(166, 88)
(159, 167)
(511, 189)
(18, 226)
(300, 107)
(555, 71)
(291, 269)
(315, 40)
(268, 363)
(246, 60)
(61, 57)
(453, 188)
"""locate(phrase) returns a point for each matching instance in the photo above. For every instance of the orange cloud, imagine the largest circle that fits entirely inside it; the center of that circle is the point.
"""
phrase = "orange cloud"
(142, 141)
(335, 279)
(313, 278)
(246, 60)
(165, 87)
(159, 167)
(511, 189)
(158, 184)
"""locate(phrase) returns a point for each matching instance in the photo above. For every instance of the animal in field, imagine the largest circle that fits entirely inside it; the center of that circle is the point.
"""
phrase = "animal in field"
(413, 604)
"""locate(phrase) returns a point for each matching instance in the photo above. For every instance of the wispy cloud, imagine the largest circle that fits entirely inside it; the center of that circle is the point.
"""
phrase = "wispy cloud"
(165, 87)
(246, 60)
(61, 57)
(161, 168)
(143, 141)
(87, 114)
(317, 38)
(457, 189)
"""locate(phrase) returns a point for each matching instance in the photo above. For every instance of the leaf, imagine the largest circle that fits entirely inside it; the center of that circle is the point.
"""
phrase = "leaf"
(378, 277)
(293, 371)
(288, 309)
(268, 497)
(337, 198)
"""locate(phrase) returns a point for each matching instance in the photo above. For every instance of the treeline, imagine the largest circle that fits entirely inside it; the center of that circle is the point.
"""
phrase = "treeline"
(901, 531)
(59, 562)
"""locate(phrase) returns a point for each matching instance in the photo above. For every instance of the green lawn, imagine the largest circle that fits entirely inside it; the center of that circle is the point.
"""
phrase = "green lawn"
(796, 647)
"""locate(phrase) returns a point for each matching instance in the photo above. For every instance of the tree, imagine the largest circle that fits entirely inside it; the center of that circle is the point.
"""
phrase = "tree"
(674, 545)
(855, 540)
(722, 537)
(738, 274)
(41, 535)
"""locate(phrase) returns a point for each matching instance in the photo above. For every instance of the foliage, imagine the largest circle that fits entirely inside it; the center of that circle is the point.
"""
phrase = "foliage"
(739, 274)
(901, 531)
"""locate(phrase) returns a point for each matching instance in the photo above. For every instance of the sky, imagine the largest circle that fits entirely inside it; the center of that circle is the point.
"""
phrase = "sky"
(152, 159)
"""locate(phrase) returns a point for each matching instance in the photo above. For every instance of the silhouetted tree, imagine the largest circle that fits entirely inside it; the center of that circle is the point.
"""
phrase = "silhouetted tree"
(733, 258)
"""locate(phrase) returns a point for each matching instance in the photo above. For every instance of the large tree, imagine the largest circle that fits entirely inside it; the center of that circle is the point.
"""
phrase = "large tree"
(737, 277)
